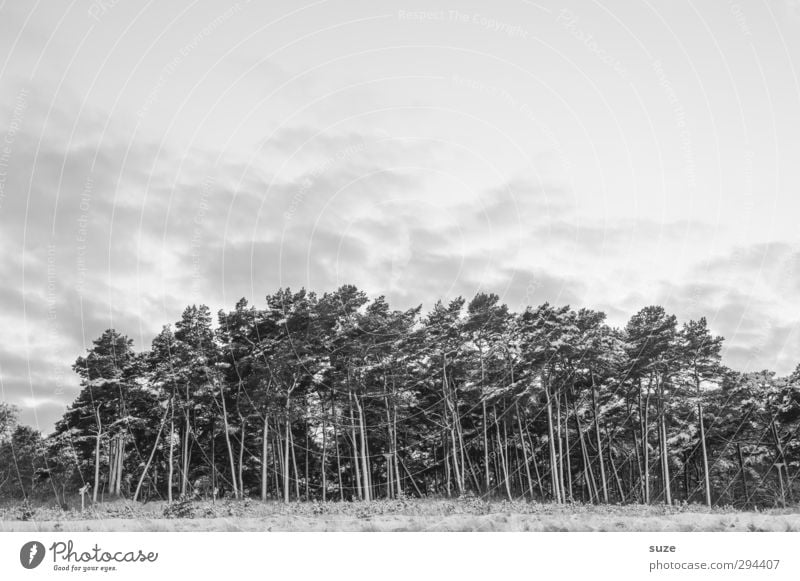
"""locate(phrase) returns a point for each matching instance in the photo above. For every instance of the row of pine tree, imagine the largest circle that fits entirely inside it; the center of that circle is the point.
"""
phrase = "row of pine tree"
(339, 397)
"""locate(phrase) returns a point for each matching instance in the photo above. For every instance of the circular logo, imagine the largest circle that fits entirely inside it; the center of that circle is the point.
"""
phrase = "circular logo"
(31, 554)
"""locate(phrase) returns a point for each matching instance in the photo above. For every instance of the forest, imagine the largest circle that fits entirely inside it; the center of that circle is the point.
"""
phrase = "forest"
(340, 397)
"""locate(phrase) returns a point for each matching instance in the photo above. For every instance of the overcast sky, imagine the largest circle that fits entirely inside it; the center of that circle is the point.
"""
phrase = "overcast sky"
(610, 155)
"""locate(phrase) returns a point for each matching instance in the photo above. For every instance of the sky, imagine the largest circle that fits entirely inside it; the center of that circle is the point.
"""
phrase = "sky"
(608, 155)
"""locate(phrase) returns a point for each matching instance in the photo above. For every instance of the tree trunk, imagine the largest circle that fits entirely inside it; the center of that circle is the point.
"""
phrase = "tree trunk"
(286, 439)
(744, 474)
(264, 447)
(97, 456)
(306, 470)
(486, 445)
(171, 450)
(535, 463)
(227, 443)
(120, 464)
(588, 473)
(324, 457)
(503, 461)
(599, 441)
(567, 446)
(664, 447)
(338, 456)
(356, 459)
(185, 454)
(214, 479)
(242, 436)
(780, 463)
(556, 490)
(152, 454)
(561, 483)
(364, 452)
(112, 463)
(617, 479)
(451, 413)
(706, 475)
(524, 452)
(645, 451)
(394, 451)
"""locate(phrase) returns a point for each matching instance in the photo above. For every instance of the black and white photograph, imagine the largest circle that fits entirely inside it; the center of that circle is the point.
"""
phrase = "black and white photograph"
(335, 266)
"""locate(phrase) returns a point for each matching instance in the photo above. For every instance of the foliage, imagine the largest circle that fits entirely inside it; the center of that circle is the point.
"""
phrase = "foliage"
(338, 396)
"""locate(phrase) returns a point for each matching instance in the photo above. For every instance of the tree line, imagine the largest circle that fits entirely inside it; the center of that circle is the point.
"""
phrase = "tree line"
(340, 397)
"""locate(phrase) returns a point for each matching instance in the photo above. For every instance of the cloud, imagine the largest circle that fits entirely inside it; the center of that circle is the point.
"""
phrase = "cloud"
(117, 231)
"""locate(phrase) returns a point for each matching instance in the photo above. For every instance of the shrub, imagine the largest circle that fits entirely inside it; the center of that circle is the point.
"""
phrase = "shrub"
(182, 508)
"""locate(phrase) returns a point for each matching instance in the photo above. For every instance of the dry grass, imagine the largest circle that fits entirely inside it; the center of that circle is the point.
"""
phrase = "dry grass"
(470, 514)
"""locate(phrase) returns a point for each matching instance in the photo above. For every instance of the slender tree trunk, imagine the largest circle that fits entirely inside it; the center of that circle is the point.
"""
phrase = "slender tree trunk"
(152, 454)
(338, 456)
(665, 448)
(264, 460)
(744, 474)
(503, 461)
(287, 439)
(411, 478)
(121, 464)
(214, 477)
(645, 451)
(639, 467)
(324, 458)
(306, 470)
(524, 452)
(356, 458)
(227, 443)
(781, 462)
(241, 454)
(281, 466)
(561, 482)
(97, 456)
(394, 451)
(595, 416)
(446, 453)
(588, 473)
(451, 415)
(364, 451)
(535, 463)
(112, 463)
(185, 454)
(293, 447)
(485, 444)
(552, 445)
(171, 450)
(617, 479)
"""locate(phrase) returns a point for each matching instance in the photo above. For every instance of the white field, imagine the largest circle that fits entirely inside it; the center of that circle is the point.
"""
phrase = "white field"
(400, 515)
